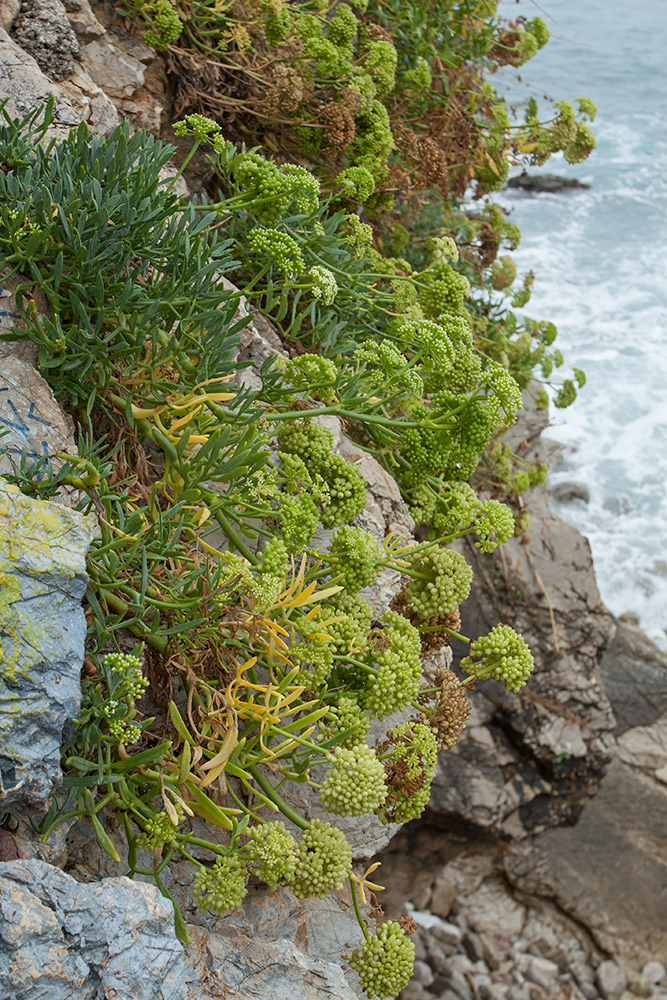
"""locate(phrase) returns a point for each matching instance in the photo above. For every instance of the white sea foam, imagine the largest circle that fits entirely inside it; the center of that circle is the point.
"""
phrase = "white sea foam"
(600, 257)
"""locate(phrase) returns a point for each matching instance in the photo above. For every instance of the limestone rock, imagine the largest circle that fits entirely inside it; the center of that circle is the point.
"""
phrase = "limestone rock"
(278, 947)
(25, 87)
(44, 31)
(116, 72)
(61, 938)
(9, 10)
(645, 747)
(85, 24)
(609, 871)
(42, 630)
(32, 424)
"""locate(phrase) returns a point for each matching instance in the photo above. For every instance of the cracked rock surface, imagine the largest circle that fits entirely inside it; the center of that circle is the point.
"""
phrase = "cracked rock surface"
(96, 941)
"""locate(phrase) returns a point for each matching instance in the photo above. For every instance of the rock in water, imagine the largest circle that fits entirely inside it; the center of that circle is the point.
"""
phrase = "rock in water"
(550, 183)
(42, 630)
(60, 938)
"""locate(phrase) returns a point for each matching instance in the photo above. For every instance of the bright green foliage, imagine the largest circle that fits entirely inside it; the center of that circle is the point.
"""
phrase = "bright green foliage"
(358, 557)
(324, 861)
(159, 830)
(314, 373)
(505, 389)
(274, 561)
(273, 848)
(538, 28)
(347, 491)
(503, 655)
(141, 331)
(310, 442)
(346, 714)
(324, 285)
(450, 510)
(358, 235)
(299, 518)
(168, 26)
(386, 360)
(380, 64)
(385, 962)
(342, 26)
(494, 524)
(199, 127)
(128, 668)
(566, 395)
(441, 581)
(222, 887)
(420, 76)
(280, 249)
(353, 631)
(355, 783)
(356, 183)
(395, 652)
(445, 292)
(313, 653)
(272, 569)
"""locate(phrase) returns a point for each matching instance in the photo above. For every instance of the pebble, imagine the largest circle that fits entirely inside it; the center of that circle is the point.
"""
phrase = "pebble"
(453, 962)
(446, 933)
(540, 971)
(583, 973)
(654, 972)
(442, 898)
(496, 991)
(611, 980)
(423, 973)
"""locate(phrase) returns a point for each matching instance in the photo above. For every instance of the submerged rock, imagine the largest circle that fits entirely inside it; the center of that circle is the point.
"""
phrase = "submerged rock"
(42, 630)
(545, 183)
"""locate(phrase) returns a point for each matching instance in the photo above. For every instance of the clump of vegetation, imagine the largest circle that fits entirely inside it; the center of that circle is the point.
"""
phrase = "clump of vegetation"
(208, 581)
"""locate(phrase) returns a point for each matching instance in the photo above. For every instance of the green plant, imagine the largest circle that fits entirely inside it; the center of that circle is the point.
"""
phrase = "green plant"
(263, 657)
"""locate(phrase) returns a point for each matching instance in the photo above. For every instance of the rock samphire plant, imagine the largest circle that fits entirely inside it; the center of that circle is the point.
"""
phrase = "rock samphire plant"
(227, 579)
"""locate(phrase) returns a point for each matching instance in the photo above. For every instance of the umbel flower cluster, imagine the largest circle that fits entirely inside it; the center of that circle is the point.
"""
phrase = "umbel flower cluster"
(234, 539)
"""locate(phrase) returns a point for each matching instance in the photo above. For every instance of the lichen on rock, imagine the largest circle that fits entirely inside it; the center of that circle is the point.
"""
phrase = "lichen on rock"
(42, 628)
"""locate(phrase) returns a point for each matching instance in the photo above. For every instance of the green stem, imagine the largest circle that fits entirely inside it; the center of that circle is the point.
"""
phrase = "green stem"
(271, 794)
(184, 165)
(357, 910)
(234, 538)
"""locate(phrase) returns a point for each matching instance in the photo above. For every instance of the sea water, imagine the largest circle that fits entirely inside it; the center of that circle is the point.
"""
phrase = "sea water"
(600, 259)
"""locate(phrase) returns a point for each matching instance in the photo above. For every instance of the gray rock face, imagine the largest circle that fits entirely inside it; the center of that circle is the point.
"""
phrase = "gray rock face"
(96, 941)
(530, 760)
(44, 31)
(42, 630)
(608, 872)
(112, 68)
(634, 672)
(277, 947)
(9, 10)
(25, 86)
(31, 422)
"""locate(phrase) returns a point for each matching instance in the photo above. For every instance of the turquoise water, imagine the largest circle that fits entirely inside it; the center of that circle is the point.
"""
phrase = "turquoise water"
(600, 258)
